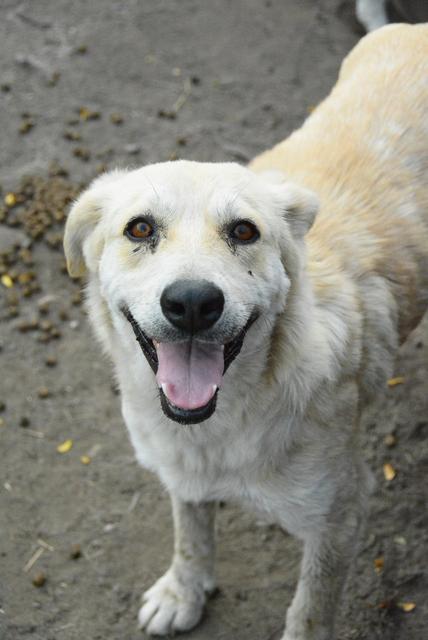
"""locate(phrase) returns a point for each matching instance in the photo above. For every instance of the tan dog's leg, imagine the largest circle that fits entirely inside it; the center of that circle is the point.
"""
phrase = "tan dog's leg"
(176, 600)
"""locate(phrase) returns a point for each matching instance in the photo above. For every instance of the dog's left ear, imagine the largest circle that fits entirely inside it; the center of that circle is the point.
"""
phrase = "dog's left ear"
(300, 209)
(298, 205)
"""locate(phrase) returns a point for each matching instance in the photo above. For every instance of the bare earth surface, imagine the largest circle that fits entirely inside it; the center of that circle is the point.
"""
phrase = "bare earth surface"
(216, 80)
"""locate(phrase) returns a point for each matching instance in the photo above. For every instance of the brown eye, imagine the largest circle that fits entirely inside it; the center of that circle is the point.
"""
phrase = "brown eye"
(244, 232)
(140, 229)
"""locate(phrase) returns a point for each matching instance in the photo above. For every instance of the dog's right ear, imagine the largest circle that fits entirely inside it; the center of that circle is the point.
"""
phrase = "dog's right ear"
(81, 222)
(83, 243)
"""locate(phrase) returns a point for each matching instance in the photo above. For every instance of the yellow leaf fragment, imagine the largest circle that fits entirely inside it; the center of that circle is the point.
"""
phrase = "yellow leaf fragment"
(389, 472)
(7, 281)
(85, 459)
(393, 382)
(65, 446)
(10, 199)
(406, 606)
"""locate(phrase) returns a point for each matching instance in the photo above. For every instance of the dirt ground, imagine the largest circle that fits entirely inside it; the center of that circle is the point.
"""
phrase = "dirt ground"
(85, 85)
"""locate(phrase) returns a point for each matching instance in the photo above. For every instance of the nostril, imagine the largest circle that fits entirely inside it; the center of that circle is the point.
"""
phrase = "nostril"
(212, 308)
(176, 308)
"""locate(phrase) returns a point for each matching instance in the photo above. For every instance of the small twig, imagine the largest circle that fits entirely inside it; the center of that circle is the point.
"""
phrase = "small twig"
(45, 545)
(32, 561)
(183, 97)
(134, 501)
(33, 433)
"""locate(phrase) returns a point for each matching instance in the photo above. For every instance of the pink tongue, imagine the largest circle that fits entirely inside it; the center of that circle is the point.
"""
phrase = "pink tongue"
(189, 373)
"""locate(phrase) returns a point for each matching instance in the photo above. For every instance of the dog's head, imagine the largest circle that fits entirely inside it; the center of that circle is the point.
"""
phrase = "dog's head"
(190, 256)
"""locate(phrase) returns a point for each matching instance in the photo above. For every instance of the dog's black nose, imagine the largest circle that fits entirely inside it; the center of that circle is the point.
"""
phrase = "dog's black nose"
(192, 305)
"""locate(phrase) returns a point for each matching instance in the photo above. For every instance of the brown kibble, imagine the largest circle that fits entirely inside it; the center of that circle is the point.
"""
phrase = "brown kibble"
(26, 277)
(167, 114)
(45, 325)
(76, 298)
(28, 325)
(26, 126)
(26, 257)
(43, 392)
(82, 152)
(39, 579)
(43, 308)
(89, 114)
(73, 136)
(75, 551)
(51, 361)
(55, 333)
(116, 118)
(63, 314)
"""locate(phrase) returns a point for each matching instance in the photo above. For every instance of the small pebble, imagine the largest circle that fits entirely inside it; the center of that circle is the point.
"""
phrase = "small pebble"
(390, 440)
(43, 392)
(51, 361)
(116, 118)
(39, 579)
(24, 422)
(75, 551)
(2, 405)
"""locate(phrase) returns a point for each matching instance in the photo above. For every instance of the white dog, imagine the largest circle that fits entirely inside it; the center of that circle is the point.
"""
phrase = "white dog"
(262, 332)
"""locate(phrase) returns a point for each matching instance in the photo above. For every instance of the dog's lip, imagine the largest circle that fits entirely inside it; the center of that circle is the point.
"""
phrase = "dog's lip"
(187, 416)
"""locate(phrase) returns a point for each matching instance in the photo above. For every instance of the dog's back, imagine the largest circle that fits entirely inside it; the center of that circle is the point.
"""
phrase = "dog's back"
(364, 151)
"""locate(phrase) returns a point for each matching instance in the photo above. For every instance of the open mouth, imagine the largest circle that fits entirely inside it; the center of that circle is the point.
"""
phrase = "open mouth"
(188, 374)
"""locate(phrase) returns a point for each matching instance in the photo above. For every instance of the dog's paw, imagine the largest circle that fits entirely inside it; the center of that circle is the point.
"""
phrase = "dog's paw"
(172, 605)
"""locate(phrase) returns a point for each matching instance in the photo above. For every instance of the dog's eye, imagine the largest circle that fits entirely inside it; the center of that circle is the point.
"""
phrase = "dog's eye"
(244, 232)
(139, 229)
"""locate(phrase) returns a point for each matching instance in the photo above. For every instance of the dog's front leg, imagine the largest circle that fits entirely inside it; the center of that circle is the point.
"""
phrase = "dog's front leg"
(176, 600)
(327, 554)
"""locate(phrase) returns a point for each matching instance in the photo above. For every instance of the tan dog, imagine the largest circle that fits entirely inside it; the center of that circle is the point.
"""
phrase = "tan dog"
(260, 346)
